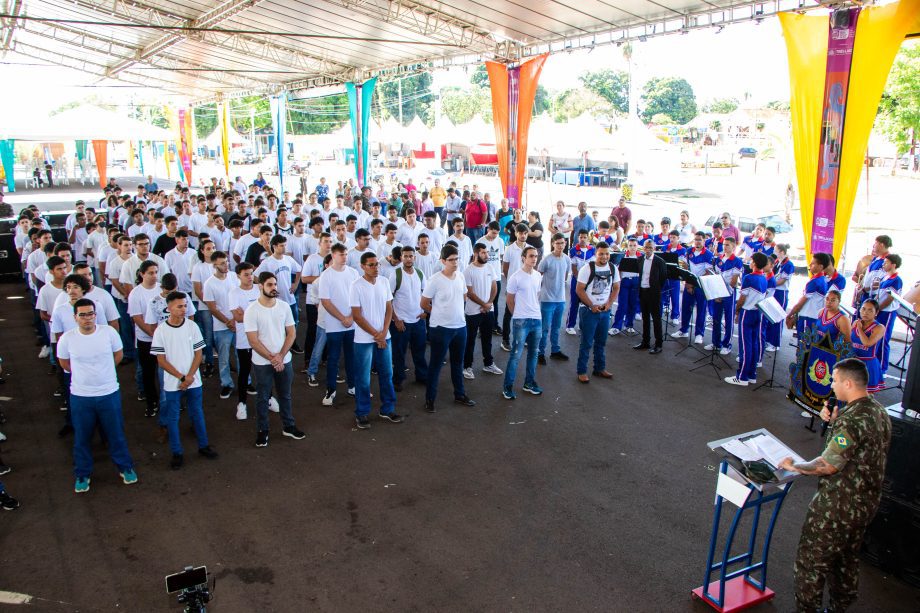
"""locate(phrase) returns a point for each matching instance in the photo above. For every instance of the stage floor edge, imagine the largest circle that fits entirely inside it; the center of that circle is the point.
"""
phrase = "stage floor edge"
(739, 595)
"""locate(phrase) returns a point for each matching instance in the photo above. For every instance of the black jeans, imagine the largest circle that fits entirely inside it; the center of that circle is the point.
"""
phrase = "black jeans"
(650, 303)
(312, 314)
(506, 325)
(148, 373)
(483, 323)
(244, 361)
(495, 304)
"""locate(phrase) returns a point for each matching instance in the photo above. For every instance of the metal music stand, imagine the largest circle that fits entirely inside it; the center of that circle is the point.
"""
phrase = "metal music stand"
(670, 258)
(907, 315)
(692, 281)
(771, 382)
(712, 355)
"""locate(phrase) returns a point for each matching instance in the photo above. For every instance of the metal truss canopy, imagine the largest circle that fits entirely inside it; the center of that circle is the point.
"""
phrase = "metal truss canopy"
(213, 49)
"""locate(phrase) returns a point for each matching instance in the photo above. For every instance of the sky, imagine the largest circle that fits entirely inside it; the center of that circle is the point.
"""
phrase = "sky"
(743, 58)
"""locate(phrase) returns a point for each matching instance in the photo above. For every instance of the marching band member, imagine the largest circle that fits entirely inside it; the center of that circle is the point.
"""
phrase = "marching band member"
(869, 269)
(697, 260)
(783, 269)
(730, 268)
(831, 319)
(771, 290)
(866, 336)
(835, 280)
(768, 246)
(752, 243)
(641, 234)
(671, 290)
(811, 302)
(890, 284)
(753, 290)
(580, 254)
(628, 299)
(714, 243)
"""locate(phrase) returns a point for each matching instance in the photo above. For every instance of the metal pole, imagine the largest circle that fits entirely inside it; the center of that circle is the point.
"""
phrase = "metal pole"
(399, 90)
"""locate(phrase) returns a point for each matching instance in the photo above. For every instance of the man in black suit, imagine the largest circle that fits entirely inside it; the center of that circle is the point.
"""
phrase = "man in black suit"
(653, 274)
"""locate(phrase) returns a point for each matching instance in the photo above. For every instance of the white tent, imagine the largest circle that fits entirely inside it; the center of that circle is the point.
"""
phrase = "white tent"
(84, 123)
(212, 141)
(476, 131)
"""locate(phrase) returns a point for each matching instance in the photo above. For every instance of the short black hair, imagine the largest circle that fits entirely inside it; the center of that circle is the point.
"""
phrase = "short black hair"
(822, 258)
(760, 260)
(173, 296)
(854, 370)
(884, 239)
(265, 275)
(894, 259)
(78, 280)
(83, 302)
(367, 256)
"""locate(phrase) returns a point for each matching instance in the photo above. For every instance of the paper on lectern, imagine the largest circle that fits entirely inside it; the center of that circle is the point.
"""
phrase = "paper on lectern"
(713, 287)
(772, 309)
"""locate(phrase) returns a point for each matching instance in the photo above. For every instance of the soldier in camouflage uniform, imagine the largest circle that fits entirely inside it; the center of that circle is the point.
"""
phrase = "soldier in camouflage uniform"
(851, 470)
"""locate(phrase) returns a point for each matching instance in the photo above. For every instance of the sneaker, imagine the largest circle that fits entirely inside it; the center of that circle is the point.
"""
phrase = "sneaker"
(497, 331)
(725, 351)
(4, 469)
(340, 379)
(492, 369)
(293, 432)
(679, 334)
(311, 381)
(329, 398)
(541, 360)
(631, 331)
(2, 437)
(465, 401)
(177, 461)
(505, 347)
(251, 390)
(698, 339)
(225, 392)
(508, 393)
(273, 405)
(613, 331)
(362, 422)
(241, 412)
(7, 502)
(738, 358)
(295, 348)
(571, 331)
(393, 417)
(736, 381)
(129, 477)
(58, 392)
(429, 406)
(44, 353)
(208, 452)
(150, 412)
(141, 397)
(262, 438)
(675, 321)
(468, 373)
(533, 388)
(769, 348)
(558, 355)
(710, 347)
(759, 364)
(81, 485)
(350, 391)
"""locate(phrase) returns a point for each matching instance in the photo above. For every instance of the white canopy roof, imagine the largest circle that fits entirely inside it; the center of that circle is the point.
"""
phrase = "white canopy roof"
(213, 140)
(84, 123)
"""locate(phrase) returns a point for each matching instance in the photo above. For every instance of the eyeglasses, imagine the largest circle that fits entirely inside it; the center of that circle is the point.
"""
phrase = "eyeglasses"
(452, 259)
(85, 314)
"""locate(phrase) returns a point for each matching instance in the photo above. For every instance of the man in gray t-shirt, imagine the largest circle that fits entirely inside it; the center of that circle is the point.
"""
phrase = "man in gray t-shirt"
(555, 268)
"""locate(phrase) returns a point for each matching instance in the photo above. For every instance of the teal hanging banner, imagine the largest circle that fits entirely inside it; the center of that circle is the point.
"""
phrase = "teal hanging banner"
(140, 155)
(81, 150)
(8, 158)
(359, 110)
(279, 124)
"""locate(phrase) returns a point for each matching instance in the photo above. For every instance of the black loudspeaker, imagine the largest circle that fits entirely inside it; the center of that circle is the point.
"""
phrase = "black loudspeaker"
(911, 398)
(902, 472)
(892, 541)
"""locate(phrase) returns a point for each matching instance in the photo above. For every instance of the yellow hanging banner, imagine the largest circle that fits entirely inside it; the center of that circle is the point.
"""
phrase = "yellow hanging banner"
(225, 138)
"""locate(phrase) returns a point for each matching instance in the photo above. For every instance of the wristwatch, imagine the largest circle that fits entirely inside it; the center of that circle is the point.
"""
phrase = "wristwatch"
(182, 380)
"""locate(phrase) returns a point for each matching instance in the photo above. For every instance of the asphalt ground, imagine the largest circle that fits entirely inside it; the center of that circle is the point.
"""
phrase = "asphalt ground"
(591, 497)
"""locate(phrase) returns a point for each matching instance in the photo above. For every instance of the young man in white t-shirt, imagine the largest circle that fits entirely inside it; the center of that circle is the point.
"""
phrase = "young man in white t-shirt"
(408, 328)
(240, 299)
(309, 278)
(511, 262)
(463, 244)
(372, 309)
(335, 295)
(443, 299)
(90, 353)
(287, 273)
(481, 288)
(269, 325)
(495, 249)
(426, 260)
(177, 344)
(523, 293)
(597, 288)
(216, 297)
(138, 301)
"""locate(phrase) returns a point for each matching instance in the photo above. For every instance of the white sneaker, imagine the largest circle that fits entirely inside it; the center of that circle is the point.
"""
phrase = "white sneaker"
(631, 330)
(724, 351)
(709, 347)
(504, 348)
(328, 399)
(468, 373)
(571, 331)
(738, 358)
(493, 369)
(679, 334)
(2, 437)
(675, 321)
(241, 411)
(736, 381)
(613, 331)
(769, 348)
(698, 339)
(44, 353)
(759, 364)
(273, 405)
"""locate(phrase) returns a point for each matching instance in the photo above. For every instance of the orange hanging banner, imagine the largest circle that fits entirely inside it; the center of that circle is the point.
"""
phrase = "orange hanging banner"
(100, 150)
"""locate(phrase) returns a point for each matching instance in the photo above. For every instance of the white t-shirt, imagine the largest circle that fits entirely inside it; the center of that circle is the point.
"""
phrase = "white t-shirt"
(435, 239)
(47, 296)
(218, 291)
(132, 265)
(201, 272)
(113, 267)
(271, 324)
(62, 317)
(92, 364)
(407, 299)
(513, 258)
(353, 259)
(384, 248)
(335, 286)
(373, 302)
(313, 267)
(107, 310)
(283, 269)
(465, 249)
(181, 265)
(599, 288)
(428, 263)
(495, 249)
(561, 221)
(158, 312)
(526, 290)
(94, 241)
(480, 279)
(178, 344)
(138, 300)
(241, 299)
(447, 297)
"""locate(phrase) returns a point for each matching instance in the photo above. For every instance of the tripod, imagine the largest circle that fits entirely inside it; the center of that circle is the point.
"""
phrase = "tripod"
(693, 331)
(771, 383)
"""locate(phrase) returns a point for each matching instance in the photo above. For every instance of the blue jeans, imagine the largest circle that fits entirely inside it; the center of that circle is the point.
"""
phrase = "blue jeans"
(594, 328)
(266, 376)
(551, 314)
(412, 338)
(442, 340)
(195, 413)
(336, 344)
(627, 303)
(723, 312)
(205, 322)
(316, 355)
(86, 411)
(523, 332)
(126, 330)
(749, 351)
(365, 355)
(696, 300)
(226, 342)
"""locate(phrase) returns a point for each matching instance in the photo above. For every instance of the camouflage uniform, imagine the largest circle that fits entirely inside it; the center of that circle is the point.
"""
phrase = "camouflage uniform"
(845, 503)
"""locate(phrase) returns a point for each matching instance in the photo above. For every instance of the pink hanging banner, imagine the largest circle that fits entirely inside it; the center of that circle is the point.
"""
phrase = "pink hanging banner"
(185, 143)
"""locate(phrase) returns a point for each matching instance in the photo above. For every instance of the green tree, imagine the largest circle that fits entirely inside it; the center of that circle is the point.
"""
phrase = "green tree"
(899, 108)
(721, 105)
(661, 119)
(461, 105)
(574, 102)
(671, 96)
(611, 85)
(317, 115)
(417, 98)
(480, 76)
(205, 120)
(778, 105)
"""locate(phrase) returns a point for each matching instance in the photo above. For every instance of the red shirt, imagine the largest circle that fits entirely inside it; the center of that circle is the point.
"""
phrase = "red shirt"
(474, 215)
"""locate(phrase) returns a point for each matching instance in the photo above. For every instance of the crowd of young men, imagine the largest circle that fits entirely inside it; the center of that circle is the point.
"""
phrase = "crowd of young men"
(172, 282)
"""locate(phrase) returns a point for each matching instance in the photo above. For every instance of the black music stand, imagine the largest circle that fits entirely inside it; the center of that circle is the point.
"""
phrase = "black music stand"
(771, 382)
(628, 265)
(670, 258)
(710, 357)
(693, 281)
(907, 315)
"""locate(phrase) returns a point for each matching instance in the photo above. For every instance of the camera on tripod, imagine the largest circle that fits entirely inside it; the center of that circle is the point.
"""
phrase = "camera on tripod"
(192, 585)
